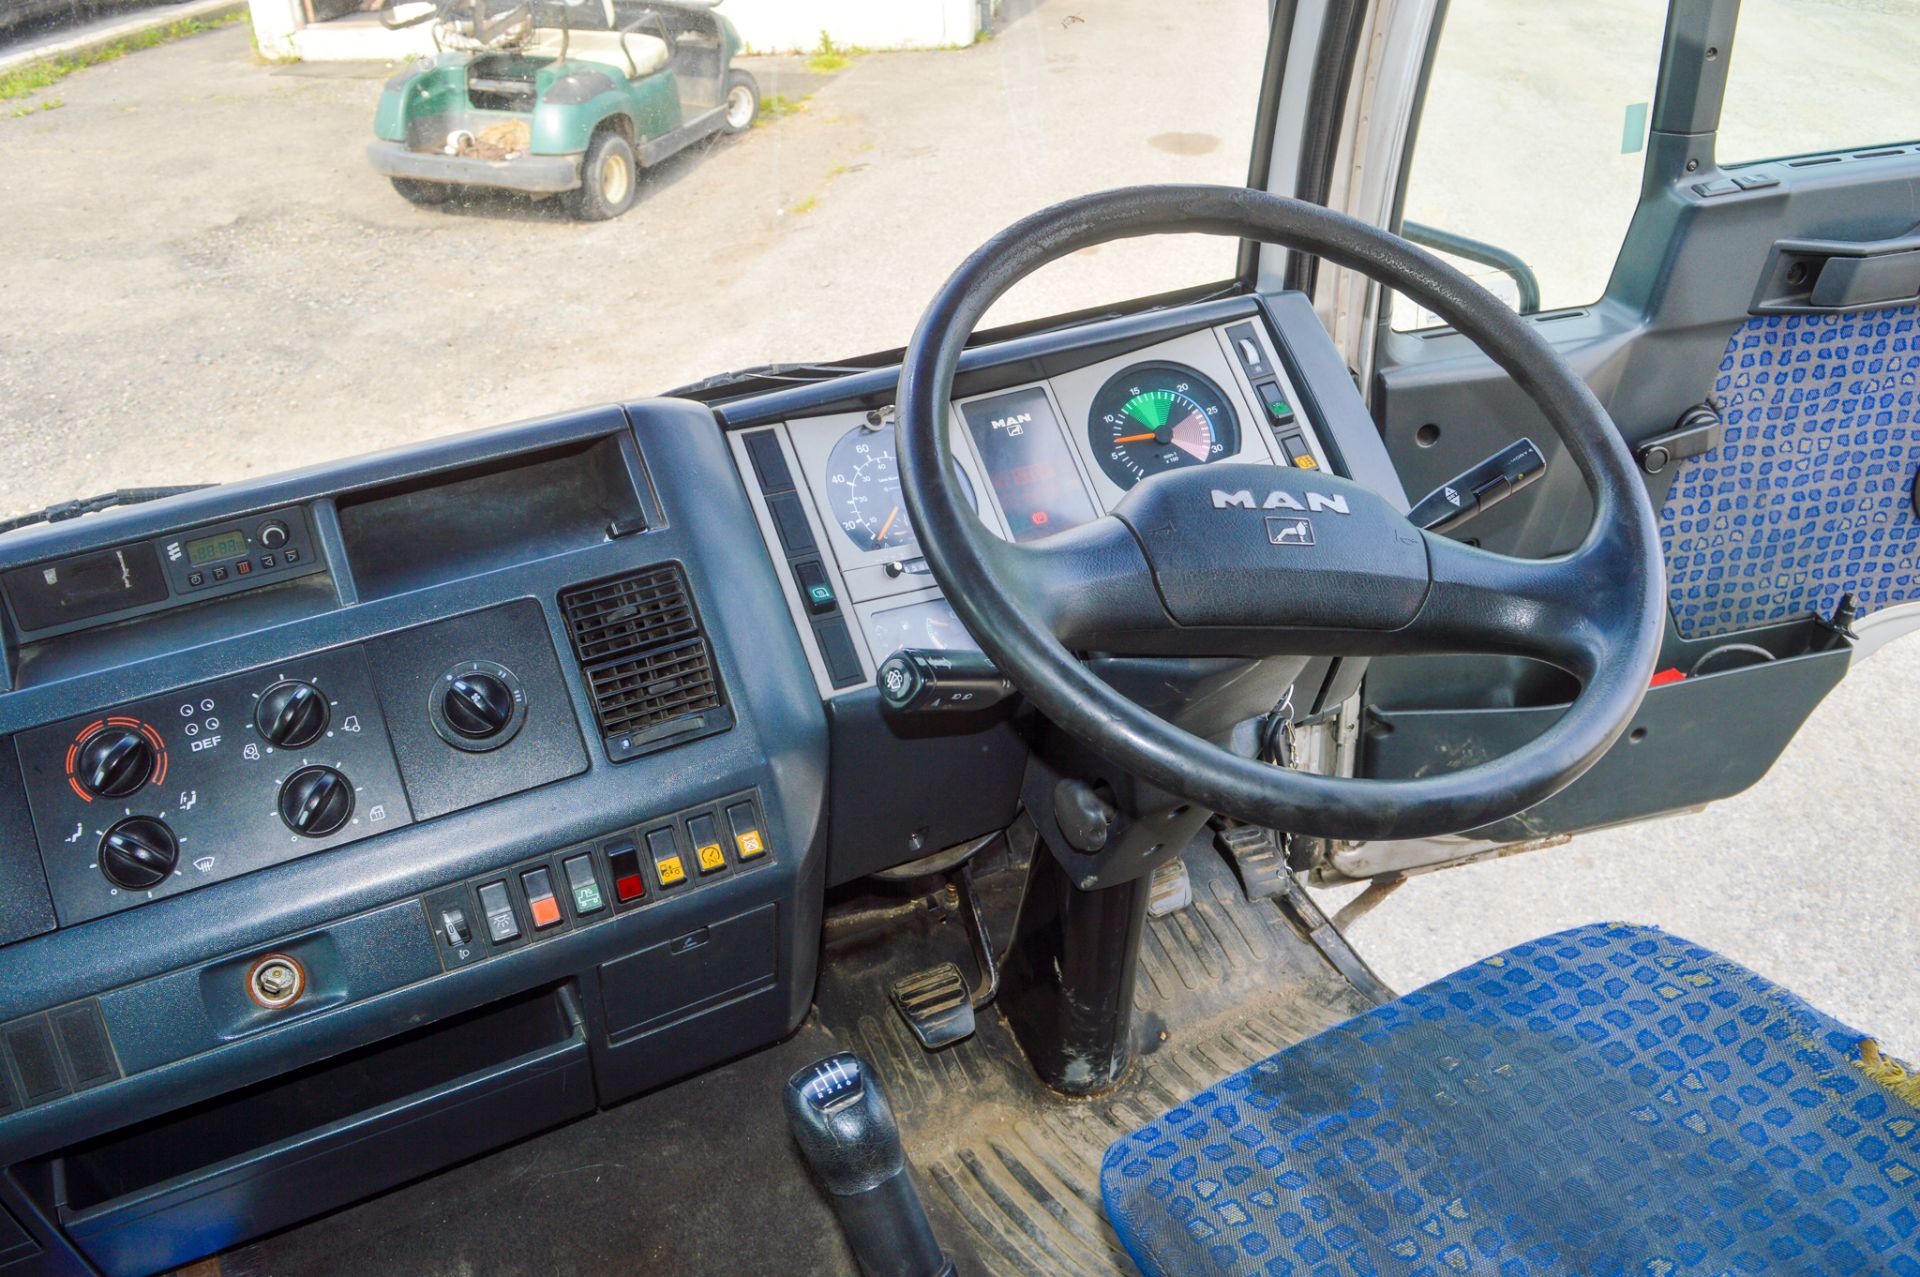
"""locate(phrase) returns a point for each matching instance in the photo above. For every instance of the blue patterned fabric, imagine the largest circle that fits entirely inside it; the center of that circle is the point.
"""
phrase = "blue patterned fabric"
(1809, 496)
(1608, 1101)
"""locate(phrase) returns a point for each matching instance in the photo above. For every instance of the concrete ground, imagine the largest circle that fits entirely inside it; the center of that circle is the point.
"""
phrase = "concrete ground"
(204, 281)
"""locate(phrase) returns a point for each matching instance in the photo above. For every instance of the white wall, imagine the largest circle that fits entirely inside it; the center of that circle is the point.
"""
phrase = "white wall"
(780, 26)
(767, 26)
(275, 24)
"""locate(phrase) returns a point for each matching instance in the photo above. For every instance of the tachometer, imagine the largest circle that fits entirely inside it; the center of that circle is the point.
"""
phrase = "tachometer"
(1160, 416)
(863, 490)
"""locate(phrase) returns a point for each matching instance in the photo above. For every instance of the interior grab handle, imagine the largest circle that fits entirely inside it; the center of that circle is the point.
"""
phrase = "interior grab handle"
(1804, 276)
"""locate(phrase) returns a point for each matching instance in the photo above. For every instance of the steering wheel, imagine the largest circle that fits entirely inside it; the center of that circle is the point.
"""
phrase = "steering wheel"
(1210, 561)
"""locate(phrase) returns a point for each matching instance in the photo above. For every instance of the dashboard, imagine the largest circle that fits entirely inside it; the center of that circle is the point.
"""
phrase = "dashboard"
(511, 770)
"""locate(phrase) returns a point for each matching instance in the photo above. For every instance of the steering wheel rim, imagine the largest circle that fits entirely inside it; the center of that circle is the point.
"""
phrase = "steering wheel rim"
(1598, 612)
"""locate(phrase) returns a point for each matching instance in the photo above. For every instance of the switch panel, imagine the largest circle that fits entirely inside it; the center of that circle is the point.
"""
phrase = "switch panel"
(561, 892)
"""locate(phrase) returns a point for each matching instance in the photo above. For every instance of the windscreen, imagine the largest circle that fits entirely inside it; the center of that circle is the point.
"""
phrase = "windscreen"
(245, 237)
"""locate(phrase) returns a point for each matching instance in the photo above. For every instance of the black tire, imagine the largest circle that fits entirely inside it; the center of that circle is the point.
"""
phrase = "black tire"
(609, 178)
(740, 83)
(425, 194)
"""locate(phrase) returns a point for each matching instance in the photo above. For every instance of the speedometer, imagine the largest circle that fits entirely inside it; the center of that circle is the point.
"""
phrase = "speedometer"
(1160, 416)
(863, 490)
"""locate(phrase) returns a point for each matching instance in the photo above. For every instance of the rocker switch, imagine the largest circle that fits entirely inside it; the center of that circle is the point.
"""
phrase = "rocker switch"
(540, 898)
(502, 926)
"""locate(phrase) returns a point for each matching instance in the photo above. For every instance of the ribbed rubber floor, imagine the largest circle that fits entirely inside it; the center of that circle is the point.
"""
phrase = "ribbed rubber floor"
(703, 1178)
(1012, 1171)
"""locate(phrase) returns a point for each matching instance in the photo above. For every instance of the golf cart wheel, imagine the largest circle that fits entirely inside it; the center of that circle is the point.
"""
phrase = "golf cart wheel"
(609, 178)
(743, 101)
(425, 194)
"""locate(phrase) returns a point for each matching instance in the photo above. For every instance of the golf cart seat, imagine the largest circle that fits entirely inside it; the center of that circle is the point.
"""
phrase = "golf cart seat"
(634, 54)
(1609, 1100)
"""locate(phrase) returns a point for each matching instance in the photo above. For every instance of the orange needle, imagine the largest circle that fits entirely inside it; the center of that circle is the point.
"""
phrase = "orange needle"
(1134, 438)
(891, 516)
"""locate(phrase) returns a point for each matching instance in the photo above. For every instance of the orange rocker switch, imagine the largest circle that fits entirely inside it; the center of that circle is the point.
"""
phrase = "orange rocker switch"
(708, 854)
(666, 857)
(748, 841)
(540, 899)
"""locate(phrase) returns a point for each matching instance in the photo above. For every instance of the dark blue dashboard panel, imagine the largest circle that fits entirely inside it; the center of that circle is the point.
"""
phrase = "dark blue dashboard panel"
(169, 977)
(623, 886)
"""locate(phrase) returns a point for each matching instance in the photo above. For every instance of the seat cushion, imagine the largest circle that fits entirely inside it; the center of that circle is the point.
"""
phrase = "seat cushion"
(1609, 1100)
(633, 55)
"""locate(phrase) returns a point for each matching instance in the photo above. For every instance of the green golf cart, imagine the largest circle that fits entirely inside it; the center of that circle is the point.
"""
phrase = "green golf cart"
(557, 97)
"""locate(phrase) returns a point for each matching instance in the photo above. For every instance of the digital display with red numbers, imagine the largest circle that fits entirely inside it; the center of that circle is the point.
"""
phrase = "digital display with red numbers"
(1026, 456)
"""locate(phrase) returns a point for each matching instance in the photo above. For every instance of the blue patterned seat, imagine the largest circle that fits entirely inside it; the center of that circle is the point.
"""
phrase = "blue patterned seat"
(1610, 1100)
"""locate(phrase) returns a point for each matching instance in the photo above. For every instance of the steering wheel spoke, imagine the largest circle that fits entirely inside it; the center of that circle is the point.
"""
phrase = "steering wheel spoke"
(1544, 609)
(1091, 586)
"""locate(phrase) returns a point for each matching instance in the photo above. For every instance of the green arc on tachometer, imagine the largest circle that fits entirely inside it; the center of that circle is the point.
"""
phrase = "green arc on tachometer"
(1158, 416)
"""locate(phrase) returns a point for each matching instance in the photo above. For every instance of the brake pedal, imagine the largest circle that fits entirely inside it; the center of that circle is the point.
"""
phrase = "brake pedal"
(1257, 858)
(1170, 889)
(936, 1004)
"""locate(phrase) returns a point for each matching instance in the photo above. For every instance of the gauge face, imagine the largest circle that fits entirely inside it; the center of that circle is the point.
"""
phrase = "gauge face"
(1160, 416)
(863, 489)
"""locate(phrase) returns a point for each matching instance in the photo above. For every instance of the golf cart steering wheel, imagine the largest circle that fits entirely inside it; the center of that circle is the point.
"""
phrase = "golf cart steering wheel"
(1188, 564)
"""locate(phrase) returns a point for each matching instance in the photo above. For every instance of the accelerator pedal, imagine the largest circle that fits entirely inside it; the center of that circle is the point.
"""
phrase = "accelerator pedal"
(936, 1004)
(1258, 859)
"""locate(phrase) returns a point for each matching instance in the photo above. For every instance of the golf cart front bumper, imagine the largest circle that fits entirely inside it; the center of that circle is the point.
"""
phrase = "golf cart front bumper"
(533, 174)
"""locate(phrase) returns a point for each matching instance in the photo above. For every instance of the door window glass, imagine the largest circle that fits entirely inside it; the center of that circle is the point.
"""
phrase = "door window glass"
(1526, 163)
(1820, 75)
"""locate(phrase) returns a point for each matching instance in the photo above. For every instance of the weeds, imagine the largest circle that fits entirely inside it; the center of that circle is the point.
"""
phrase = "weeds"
(830, 57)
(777, 105)
(24, 81)
(35, 108)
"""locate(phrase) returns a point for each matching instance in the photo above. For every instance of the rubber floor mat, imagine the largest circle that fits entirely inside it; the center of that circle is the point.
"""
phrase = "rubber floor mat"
(1010, 1170)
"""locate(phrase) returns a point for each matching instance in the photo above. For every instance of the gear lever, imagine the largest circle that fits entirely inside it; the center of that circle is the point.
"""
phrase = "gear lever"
(845, 1127)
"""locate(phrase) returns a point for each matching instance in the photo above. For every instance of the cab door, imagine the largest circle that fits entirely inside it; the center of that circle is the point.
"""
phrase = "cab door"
(1707, 207)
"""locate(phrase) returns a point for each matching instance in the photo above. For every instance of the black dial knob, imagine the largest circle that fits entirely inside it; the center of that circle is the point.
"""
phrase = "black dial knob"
(114, 762)
(316, 801)
(478, 706)
(273, 534)
(291, 714)
(138, 853)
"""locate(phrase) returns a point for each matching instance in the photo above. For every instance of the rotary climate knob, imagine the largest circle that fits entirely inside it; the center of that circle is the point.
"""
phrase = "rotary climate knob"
(115, 762)
(291, 714)
(138, 853)
(316, 801)
(478, 706)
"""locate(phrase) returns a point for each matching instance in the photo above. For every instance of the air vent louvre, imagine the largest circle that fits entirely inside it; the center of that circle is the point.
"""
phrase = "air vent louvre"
(646, 660)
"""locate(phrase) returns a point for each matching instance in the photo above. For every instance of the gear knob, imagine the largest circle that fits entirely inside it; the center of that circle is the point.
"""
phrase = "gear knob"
(845, 1129)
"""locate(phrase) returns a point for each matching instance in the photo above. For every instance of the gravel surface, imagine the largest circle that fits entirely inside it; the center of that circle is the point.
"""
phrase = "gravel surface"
(205, 281)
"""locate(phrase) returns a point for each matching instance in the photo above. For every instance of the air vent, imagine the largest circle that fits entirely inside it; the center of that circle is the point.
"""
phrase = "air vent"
(646, 660)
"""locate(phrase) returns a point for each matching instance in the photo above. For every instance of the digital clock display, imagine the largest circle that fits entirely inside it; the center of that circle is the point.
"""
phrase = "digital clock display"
(221, 545)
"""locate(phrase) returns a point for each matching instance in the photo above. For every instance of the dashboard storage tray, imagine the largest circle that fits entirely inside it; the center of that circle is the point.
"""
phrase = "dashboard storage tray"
(1691, 742)
(174, 1189)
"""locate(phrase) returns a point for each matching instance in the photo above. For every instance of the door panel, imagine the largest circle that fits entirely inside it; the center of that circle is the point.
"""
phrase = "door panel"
(1807, 497)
